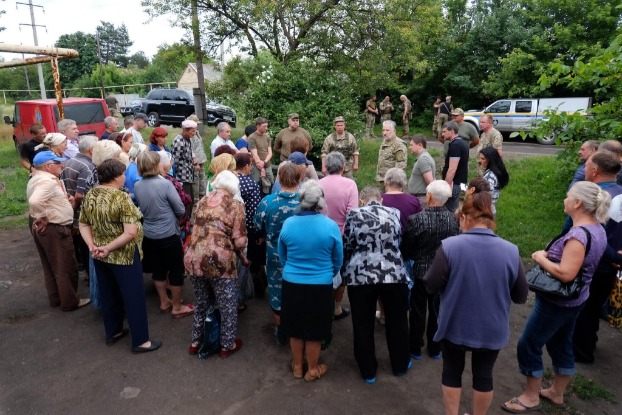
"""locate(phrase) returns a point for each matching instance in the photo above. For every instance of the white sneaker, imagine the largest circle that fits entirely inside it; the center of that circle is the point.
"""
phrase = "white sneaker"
(379, 317)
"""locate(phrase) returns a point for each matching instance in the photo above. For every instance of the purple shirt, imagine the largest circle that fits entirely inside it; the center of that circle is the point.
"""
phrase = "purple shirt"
(598, 245)
(406, 203)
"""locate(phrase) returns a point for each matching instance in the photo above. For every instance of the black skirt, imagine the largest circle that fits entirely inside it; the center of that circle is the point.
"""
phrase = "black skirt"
(307, 311)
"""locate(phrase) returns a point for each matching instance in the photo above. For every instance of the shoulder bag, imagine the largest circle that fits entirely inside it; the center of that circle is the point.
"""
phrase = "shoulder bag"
(542, 282)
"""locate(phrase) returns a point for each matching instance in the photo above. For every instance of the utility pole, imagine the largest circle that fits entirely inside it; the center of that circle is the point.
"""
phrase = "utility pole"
(199, 93)
(101, 70)
(34, 34)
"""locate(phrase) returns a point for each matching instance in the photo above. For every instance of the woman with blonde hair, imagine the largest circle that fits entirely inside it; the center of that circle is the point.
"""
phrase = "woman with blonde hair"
(552, 319)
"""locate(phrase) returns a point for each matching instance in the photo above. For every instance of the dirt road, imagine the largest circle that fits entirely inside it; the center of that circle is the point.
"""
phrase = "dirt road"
(57, 363)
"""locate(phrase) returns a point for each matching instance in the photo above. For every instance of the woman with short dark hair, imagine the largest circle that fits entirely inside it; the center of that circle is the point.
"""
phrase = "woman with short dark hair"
(111, 226)
(161, 208)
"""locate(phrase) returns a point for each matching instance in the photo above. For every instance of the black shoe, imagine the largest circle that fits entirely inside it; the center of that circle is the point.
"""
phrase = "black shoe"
(116, 338)
(344, 313)
(155, 345)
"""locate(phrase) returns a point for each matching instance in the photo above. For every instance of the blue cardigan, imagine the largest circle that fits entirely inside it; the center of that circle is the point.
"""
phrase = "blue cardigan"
(310, 249)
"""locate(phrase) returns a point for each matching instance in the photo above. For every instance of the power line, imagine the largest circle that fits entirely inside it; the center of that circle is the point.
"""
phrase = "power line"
(34, 34)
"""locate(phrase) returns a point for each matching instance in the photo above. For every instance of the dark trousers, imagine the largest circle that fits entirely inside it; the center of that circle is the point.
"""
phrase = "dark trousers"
(60, 268)
(420, 302)
(482, 363)
(363, 300)
(587, 325)
(188, 189)
(82, 251)
(122, 292)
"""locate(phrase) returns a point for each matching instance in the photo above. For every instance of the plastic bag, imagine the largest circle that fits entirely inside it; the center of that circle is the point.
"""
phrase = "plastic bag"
(211, 334)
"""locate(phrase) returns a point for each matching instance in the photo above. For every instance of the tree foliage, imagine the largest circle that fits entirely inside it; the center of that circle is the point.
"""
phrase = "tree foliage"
(73, 69)
(114, 43)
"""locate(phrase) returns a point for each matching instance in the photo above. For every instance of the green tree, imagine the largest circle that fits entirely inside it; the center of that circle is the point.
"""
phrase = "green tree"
(73, 69)
(114, 43)
(169, 62)
(139, 60)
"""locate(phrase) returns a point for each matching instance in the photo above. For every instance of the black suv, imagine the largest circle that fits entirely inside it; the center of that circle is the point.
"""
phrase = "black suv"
(172, 106)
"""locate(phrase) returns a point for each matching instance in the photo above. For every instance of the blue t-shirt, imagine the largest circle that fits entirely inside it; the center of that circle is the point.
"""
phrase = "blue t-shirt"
(241, 143)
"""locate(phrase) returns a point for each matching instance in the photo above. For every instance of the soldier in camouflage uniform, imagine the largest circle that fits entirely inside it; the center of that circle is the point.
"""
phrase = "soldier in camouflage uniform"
(406, 114)
(386, 108)
(437, 108)
(444, 114)
(490, 137)
(345, 143)
(370, 114)
(392, 152)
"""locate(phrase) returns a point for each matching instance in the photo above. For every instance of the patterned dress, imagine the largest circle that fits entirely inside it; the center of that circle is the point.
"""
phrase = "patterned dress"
(184, 222)
(269, 217)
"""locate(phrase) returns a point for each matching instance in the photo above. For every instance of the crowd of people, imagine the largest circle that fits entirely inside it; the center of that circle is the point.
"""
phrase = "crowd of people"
(418, 254)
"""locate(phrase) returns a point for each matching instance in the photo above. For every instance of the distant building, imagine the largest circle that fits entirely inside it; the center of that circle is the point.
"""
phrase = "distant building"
(189, 79)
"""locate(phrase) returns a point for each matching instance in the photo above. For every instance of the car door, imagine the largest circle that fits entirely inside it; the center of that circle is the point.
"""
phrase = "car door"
(500, 111)
(524, 114)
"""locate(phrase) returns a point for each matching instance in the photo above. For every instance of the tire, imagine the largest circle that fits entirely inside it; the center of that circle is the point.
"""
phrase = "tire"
(548, 140)
(153, 119)
(17, 146)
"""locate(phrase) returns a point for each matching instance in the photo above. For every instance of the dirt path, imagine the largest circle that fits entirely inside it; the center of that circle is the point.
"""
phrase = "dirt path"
(57, 363)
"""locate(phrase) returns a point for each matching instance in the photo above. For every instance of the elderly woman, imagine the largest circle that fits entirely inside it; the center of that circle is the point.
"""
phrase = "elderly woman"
(55, 142)
(161, 207)
(552, 320)
(157, 140)
(421, 239)
(219, 234)
(395, 183)
(166, 162)
(311, 252)
(374, 270)
(341, 196)
(124, 140)
(220, 163)
(269, 217)
(471, 318)
(111, 226)
(300, 160)
(494, 172)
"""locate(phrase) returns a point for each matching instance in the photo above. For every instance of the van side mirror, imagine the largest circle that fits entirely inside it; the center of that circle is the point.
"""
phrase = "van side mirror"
(7, 120)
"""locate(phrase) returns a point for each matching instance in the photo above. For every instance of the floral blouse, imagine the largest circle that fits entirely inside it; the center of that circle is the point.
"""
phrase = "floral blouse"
(106, 210)
(219, 221)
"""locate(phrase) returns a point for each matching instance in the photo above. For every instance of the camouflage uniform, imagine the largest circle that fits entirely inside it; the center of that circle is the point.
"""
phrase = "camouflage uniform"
(346, 145)
(491, 138)
(385, 111)
(392, 153)
(443, 116)
(370, 119)
(408, 111)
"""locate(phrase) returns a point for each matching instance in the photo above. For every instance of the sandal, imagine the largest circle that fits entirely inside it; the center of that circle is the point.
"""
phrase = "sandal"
(189, 312)
(523, 408)
(297, 371)
(320, 370)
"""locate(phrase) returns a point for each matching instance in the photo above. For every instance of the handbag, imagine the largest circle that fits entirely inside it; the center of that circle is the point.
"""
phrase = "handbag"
(540, 281)
(615, 302)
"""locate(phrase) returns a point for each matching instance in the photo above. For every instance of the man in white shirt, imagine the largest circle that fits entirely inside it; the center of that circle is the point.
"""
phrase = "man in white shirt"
(69, 129)
(140, 123)
(223, 137)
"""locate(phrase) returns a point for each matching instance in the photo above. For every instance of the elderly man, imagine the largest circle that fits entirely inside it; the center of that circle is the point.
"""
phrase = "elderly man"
(490, 137)
(456, 168)
(616, 148)
(52, 213)
(139, 124)
(344, 143)
(223, 136)
(74, 176)
(386, 108)
(27, 150)
(586, 150)
(424, 169)
(69, 129)
(392, 152)
(466, 131)
(283, 140)
(259, 144)
(185, 168)
(444, 113)
(199, 186)
(111, 125)
(127, 123)
(601, 168)
(407, 113)
(370, 117)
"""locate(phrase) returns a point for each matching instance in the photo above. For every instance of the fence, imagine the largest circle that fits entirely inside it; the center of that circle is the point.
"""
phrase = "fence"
(25, 94)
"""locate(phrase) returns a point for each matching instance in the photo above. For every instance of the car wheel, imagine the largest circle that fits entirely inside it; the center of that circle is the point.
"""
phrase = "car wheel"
(548, 140)
(153, 119)
(17, 146)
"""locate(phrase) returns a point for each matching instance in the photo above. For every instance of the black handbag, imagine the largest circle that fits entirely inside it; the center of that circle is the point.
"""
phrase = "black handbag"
(542, 282)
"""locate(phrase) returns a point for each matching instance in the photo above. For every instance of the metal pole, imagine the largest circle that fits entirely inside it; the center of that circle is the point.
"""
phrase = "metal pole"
(34, 34)
(101, 70)
(57, 88)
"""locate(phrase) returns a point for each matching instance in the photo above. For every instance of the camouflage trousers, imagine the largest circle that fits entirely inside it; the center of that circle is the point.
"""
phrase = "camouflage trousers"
(406, 125)
(370, 121)
(385, 117)
(435, 126)
(442, 119)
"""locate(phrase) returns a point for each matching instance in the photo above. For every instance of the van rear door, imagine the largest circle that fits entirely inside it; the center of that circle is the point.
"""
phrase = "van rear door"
(89, 116)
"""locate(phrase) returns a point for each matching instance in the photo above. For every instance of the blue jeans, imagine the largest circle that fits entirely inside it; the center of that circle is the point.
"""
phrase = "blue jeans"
(549, 325)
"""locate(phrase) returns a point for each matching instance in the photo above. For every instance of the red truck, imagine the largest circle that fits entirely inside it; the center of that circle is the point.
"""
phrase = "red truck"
(88, 113)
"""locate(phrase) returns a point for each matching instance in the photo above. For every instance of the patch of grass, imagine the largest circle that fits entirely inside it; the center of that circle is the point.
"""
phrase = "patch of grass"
(589, 390)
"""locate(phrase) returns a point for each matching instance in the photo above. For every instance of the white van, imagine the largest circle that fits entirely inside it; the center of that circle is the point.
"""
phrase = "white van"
(524, 114)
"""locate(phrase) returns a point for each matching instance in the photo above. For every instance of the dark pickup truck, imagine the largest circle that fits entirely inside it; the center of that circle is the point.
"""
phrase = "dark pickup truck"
(172, 106)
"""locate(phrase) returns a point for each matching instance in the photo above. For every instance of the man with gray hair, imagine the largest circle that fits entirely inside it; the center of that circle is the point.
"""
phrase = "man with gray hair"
(585, 152)
(392, 151)
(74, 176)
(616, 148)
(223, 136)
(69, 129)
(111, 125)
